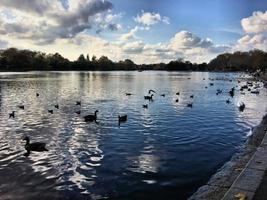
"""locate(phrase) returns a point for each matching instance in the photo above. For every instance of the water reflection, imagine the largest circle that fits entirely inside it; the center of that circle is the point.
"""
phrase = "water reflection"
(167, 149)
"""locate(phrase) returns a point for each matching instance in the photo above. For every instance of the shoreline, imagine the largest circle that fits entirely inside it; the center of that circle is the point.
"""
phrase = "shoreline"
(220, 182)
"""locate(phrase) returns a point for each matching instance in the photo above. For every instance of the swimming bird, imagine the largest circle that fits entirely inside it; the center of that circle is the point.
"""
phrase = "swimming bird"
(163, 95)
(177, 100)
(177, 93)
(150, 98)
(91, 118)
(21, 107)
(241, 107)
(37, 94)
(232, 92)
(12, 114)
(36, 146)
(122, 118)
(128, 94)
(211, 84)
(57, 106)
(145, 106)
(228, 101)
(149, 91)
(51, 111)
(78, 112)
(206, 87)
(192, 96)
(78, 103)
(190, 105)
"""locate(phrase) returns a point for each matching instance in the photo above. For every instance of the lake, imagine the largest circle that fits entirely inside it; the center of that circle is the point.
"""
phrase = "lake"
(164, 152)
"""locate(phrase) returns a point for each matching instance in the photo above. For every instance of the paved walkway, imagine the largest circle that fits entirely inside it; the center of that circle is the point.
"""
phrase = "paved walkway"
(253, 177)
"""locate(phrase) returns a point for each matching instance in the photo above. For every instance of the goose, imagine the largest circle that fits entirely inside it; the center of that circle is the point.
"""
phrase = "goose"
(192, 96)
(149, 91)
(51, 111)
(78, 103)
(190, 105)
(57, 106)
(163, 95)
(122, 118)
(128, 94)
(78, 112)
(12, 114)
(21, 107)
(242, 107)
(177, 100)
(150, 98)
(145, 106)
(36, 146)
(37, 94)
(178, 93)
(228, 101)
(91, 118)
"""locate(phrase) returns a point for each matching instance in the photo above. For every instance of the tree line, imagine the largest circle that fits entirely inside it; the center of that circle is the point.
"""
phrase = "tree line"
(13, 59)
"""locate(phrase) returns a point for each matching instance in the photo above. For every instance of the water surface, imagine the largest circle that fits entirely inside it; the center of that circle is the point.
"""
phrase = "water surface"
(164, 152)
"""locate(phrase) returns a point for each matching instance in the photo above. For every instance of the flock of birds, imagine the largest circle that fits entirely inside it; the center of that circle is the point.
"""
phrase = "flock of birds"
(38, 146)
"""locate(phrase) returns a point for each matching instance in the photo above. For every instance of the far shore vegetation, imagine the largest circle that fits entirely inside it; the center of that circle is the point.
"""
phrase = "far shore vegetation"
(13, 59)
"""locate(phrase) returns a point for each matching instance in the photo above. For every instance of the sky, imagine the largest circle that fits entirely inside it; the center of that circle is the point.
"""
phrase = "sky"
(145, 31)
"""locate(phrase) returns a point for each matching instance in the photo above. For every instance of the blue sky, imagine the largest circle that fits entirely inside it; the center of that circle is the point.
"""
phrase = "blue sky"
(142, 30)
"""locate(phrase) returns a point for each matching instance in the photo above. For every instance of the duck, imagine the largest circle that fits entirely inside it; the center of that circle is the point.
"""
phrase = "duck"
(78, 103)
(232, 92)
(150, 98)
(21, 107)
(128, 94)
(12, 114)
(91, 118)
(37, 94)
(241, 107)
(122, 118)
(190, 105)
(57, 106)
(149, 91)
(192, 96)
(78, 112)
(178, 93)
(36, 146)
(206, 87)
(51, 111)
(211, 84)
(163, 95)
(228, 101)
(177, 100)
(145, 106)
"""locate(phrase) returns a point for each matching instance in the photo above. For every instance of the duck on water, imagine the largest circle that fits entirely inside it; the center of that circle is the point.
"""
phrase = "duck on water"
(91, 118)
(36, 146)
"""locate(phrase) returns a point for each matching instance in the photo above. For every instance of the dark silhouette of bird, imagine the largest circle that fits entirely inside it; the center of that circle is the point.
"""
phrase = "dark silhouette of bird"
(21, 107)
(12, 114)
(150, 98)
(78, 112)
(190, 105)
(78, 103)
(122, 119)
(232, 92)
(211, 84)
(36, 146)
(149, 91)
(228, 101)
(145, 106)
(206, 87)
(128, 94)
(91, 118)
(241, 107)
(57, 106)
(177, 100)
(192, 96)
(37, 94)
(177, 93)
(163, 95)
(51, 111)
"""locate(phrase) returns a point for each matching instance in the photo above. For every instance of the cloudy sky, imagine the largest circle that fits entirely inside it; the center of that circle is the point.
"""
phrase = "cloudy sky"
(146, 31)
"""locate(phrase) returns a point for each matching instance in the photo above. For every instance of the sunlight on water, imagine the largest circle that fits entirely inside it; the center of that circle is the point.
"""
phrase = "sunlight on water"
(168, 149)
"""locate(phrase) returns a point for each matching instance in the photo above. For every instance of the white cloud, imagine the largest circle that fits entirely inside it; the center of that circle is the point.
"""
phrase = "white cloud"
(250, 42)
(148, 18)
(256, 23)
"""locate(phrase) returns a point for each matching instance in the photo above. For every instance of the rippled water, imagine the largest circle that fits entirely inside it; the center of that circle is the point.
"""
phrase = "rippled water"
(164, 152)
